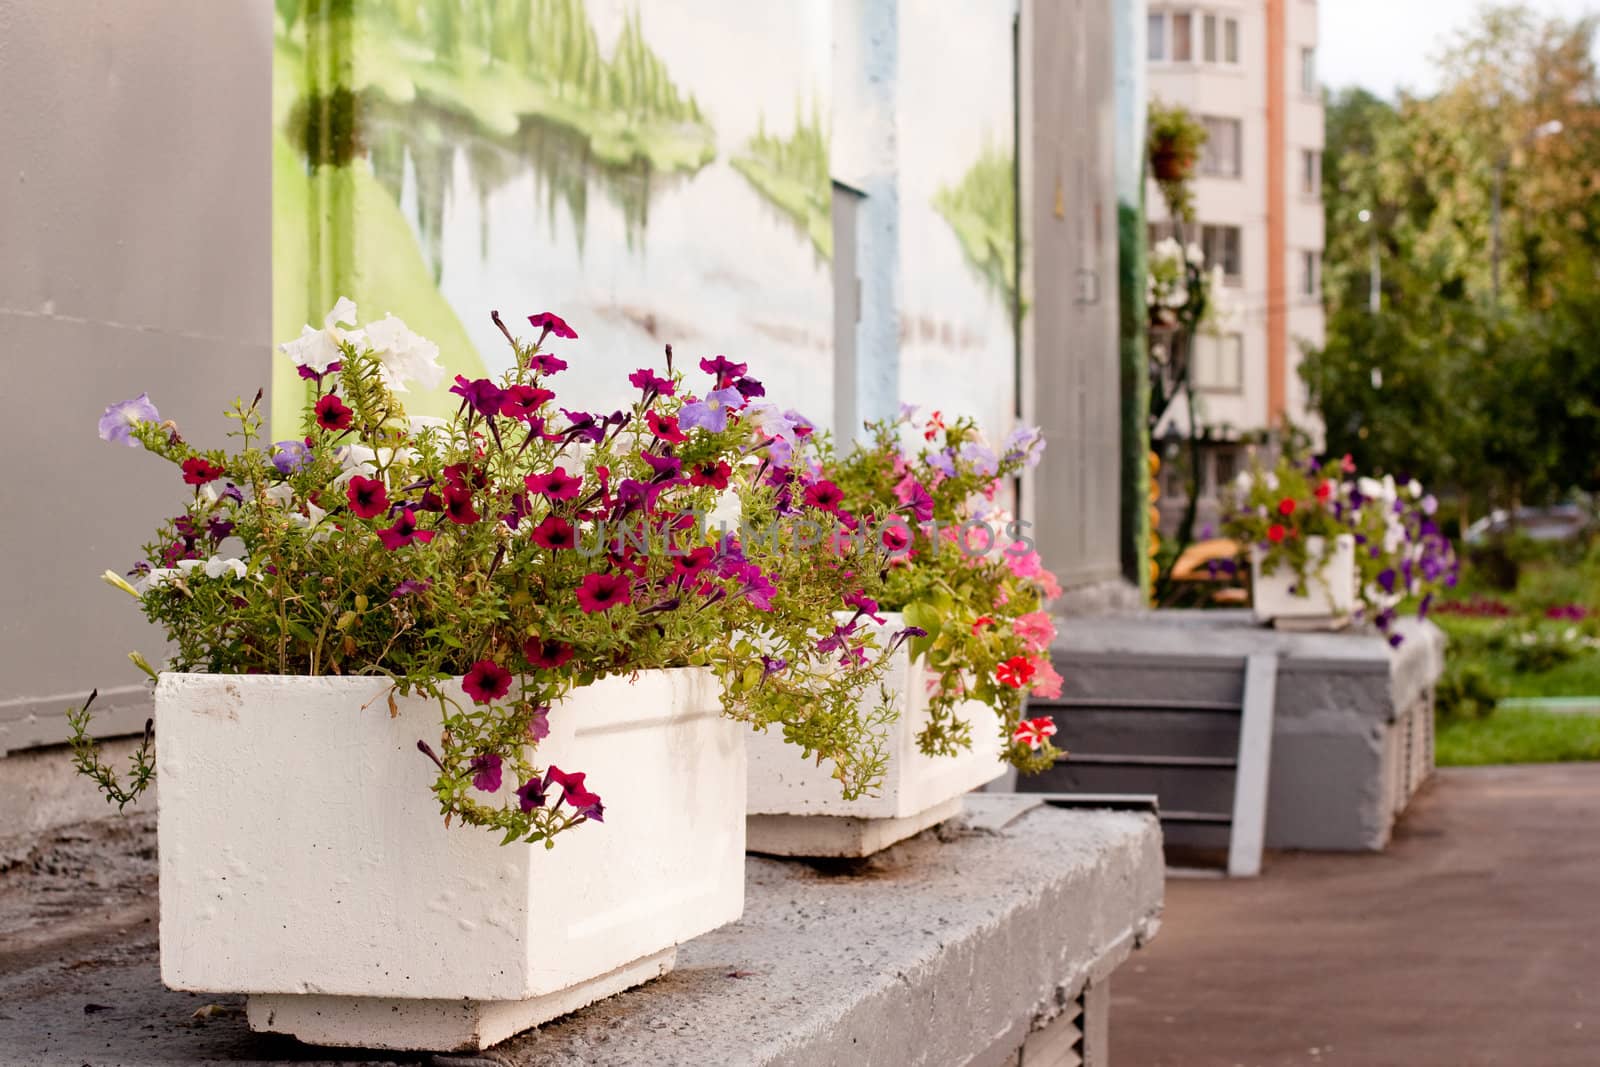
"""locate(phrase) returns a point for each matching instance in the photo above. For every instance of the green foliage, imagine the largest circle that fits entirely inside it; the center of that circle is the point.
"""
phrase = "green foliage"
(1468, 690)
(1518, 735)
(1173, 146)
(86, 758)
(982, 209)
(1496, 398)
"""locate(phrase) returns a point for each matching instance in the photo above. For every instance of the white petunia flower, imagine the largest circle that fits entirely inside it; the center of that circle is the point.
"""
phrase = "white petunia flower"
(217, 566)
(317, 349)
(405, 356)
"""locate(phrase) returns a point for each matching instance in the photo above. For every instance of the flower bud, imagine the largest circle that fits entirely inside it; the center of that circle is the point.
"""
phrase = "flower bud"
(138, 660)
(112, 578)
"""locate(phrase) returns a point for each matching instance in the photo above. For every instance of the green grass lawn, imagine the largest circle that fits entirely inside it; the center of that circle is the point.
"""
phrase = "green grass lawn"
(1518, 735)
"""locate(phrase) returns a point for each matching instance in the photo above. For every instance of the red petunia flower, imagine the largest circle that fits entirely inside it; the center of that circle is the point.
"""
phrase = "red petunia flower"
(1286, 507)
(1324, 491)
(1034, 733)
(1276, 533)
(935, 424)
(332, 414)
(524, 401)
(554, 533)
(1016, 672)
(825, 495)
(486, 681)
(980, 622)
(458, 506)
(553, 323)
(666, 427)
(369, 497)
(557, 485)
(601, 592)
(404, 531)
(713, 474)
(692, 562)
(546, 655)
(197, 470)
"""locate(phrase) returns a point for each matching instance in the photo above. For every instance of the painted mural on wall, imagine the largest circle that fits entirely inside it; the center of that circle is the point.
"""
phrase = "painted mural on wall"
(655, 172)
(957, 156)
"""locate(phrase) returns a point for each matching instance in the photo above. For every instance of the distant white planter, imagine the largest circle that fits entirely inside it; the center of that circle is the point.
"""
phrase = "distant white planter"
(304, 860)
(795, 806)
(1329, 595)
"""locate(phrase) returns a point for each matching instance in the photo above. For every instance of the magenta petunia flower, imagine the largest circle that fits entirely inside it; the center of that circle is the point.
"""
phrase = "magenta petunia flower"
(483, 395)
(486, 681)
(485, 768)
(865, 605)
(557, 485)
(332, 414)
(825, 495)
(648, 381)
(554, 533)
(539, 722)
(458, 506)
(574, 792)
(369, 497)
(601, 592)
(117, 424)
(750, 388)
(662, 464)
(530, 794)
(724, 369)
(197, 470)
(404, 531)
(545, 363)
(523, 401)
(549, 322)
(546, 655)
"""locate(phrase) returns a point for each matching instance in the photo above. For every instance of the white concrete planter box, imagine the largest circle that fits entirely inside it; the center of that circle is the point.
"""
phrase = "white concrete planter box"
(1330, 595)
(795, 806)
(304, 861)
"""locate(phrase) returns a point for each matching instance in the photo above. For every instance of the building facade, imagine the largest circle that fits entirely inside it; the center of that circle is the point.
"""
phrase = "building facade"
(1247, 70)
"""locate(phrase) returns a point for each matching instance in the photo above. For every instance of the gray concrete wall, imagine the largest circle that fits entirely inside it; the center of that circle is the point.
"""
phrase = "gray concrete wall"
(1071, 353)
(135, 219)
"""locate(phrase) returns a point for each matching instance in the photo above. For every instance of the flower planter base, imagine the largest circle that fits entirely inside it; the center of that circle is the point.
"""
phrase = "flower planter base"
(838, 835)
(438, 1025)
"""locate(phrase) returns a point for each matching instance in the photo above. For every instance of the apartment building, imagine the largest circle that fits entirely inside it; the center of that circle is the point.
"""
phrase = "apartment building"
(1248, 70)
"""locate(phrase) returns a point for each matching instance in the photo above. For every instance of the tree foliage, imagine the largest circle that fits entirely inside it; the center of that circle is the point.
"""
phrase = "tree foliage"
(1494, 394)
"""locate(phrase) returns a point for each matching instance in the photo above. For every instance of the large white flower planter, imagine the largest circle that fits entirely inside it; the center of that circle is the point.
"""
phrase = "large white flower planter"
(304, 860)
(1329, 595)
(795, 806)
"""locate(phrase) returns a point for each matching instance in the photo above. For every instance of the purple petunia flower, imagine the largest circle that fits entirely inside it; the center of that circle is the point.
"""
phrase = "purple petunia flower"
(530, 794)
(539, 723)
(902, 636)
(648, 381)
(289, 456)
(485, 769)
(1025, 443)
(712, 412)
(484, 396)
(981, 457)
(771, 665)
(409, 586)
(725, 370)
(750, 388)
(117, 424)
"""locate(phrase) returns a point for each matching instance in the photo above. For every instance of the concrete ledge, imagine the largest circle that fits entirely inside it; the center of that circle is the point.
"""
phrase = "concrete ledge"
(962, 945)
(837, 836)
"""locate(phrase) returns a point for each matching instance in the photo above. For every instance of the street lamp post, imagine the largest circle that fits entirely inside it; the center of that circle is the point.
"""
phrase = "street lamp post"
(1545, 129)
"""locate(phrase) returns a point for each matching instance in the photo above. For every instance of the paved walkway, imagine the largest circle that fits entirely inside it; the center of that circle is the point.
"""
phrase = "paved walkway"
(1475, 939)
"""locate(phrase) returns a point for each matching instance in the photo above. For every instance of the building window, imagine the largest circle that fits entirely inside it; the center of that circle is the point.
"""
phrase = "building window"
(1220, 158)
(1222, 246)
(1311, 172)
(1308, 71)
(1182, 38)
(1310, 264)
(1158, 37)
(1219, 366)
(1230, 40)
(1208, 39)
(1225, 464)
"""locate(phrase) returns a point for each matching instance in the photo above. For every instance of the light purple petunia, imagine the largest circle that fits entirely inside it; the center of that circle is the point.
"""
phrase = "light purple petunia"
(117, 424)
(712, 412)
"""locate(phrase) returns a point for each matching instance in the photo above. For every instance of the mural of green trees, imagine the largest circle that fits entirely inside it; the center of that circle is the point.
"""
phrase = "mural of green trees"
(982, 210)
(792, 173)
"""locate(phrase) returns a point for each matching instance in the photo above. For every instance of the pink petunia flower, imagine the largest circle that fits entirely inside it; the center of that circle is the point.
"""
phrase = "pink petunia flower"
(404, 531)
(557, 485)
(1036, 630)
(665, 427)
(554, 533)
(1046, 682)
(574, 792)
(549, 322)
